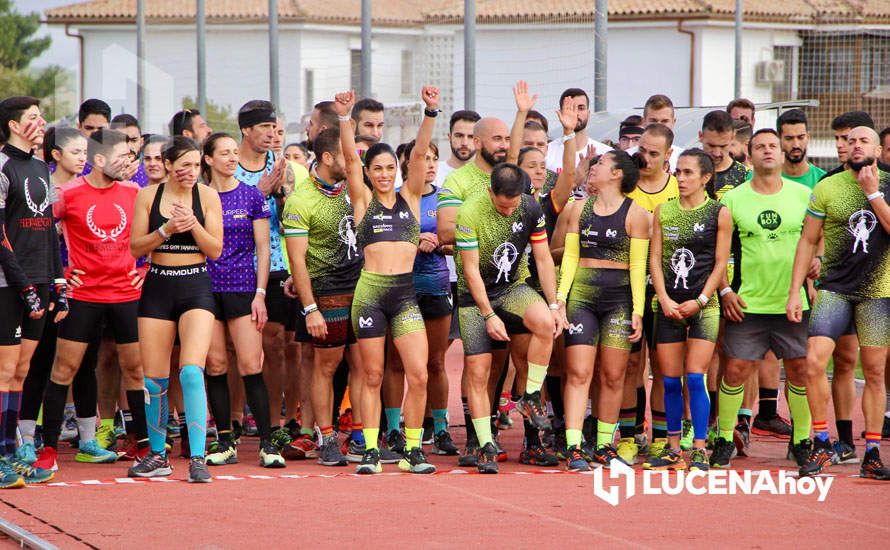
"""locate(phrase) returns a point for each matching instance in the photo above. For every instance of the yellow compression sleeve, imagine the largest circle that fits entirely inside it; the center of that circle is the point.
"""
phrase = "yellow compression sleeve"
(571, 255)
(639, 257)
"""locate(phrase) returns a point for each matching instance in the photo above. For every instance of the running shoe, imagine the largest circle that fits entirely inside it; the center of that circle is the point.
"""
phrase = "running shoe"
(236, 432)
(281, 437)
(628, 450)
(225, 453)
(775, 426)
(389, 457)
(134, 450)
(698, 460)
(69, 425)
(198, 472)
(529, 405)
(344, 423)
(605, 455)
(575, 461)
(658, 444)
(301, 448)
(151, 465)
(172, 426)
(800, 452)
(642, 441)
(844, 453)
(428, 436)
(687, 437)
(248, 426)
(416, 463)
(329, 454)
(486, 459)
(29, 473)
(537, 455)
(668, 459)
(106, 437)
(504, 421)
(395, 442)
(444, 445)
(370, 462)
(91, 452)
(872, 466)
(9, 478)
(819, 459)
(560, 446)
(469, 458)
(501, 453)
(722, 454)
(47, 459)
(270, 456)
(355, 451)
(741, 437)
(27, 453)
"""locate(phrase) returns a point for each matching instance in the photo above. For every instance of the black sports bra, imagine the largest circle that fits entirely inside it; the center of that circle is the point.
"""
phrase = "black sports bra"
(388, 224)
(604, 237)
(178, 243)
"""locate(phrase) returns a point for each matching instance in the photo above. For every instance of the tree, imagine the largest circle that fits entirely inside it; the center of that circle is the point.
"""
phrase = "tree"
(17, 48)
(218, 117)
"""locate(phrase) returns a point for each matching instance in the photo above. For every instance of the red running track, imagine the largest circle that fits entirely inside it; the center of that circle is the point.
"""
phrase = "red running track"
(301, 505)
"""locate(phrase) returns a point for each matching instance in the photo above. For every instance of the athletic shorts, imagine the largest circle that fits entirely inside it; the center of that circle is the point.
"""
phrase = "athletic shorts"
(705, 325)
(510, 306)
(231, 305)
(170, 291)
(435, 306)
(650, 304)
(384, 302)
(15, 323)
(278, 305)
(833, 313)
(335, 309)
(758, 333)
(298, 326)
(600, 308)
(454, 332)
(86, 320)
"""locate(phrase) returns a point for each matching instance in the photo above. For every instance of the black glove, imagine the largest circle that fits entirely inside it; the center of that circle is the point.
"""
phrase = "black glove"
(32, 299)
(58, 295)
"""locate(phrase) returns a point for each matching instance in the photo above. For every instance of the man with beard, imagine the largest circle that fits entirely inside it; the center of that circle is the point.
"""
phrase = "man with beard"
(460, 138)
(323, 117)
(885, 145)
(190, 123)
(841, 126)
(792, 127)
(554, 152)
(368, 116)
(849, 213)
(741, 109)
(738, 149)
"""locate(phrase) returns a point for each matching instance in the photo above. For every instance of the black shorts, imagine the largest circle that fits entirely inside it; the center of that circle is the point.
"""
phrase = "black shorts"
(298, 323)
(170, 291)
(15, 323)
(702, 326)
(231, 305)
(278, 305)
(435, 306)
(599, 309)
(86, 320)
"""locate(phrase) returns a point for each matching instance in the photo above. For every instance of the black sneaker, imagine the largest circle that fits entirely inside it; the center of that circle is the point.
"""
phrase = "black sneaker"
(530, 407)
(329, 454)
(819, 459)
(800, 452)
(486, 459)
(198, 470)
(722, 454)
(415, 462)
(370, 463)
(872, 466)
(395, 442)
(775, 426)
(844, 453)
(560, 446)
(537, 455)
(741, 437)
(444, 445)
(468, 458)
(605, 455)
(152, 465)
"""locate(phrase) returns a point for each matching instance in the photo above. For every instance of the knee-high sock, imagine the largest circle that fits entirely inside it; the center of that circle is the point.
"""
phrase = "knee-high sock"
(195, 399)
(12, 419)
(136, 402)
(156, 413)
(800, 412)
(536, 375)
(554, 393)
(220, 401)
(393, 419)
(728, 403)
(641, 409)
(4, 411)
(673, 405)
(699, 404)
(257, 398)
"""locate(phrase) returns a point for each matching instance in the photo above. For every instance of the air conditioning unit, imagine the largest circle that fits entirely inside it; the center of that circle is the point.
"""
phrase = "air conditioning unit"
(770, 72)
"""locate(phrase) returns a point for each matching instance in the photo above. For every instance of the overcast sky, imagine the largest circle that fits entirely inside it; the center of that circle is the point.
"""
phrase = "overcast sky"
(64, 50)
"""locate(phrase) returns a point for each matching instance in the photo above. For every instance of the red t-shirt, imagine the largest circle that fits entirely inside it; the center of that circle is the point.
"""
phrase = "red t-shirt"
(96, 224)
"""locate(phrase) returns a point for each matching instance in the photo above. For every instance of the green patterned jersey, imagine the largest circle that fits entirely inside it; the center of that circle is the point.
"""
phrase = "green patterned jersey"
(689, 244)
(463, 183)
(333, 258)
(388, 224)
(730, 178)
(856, 246)
(500, 240)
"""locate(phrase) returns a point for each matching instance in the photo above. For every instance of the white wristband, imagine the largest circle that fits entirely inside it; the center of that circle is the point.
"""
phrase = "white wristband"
(164, 235)
(554, 307)
(60, 281)
(261, 291)
(568, 137)
(702, 300)
(725, 291)
(875, 195)
(309, 309)
(344, 118)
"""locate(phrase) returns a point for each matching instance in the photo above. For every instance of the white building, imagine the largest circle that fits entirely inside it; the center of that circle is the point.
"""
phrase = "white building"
(683, 48)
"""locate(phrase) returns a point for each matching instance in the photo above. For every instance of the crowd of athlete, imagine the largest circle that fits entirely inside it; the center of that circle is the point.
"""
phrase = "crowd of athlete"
(202, 272)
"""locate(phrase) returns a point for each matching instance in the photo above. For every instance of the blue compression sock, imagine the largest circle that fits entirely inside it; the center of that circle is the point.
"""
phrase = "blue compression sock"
(393, 419)
(440, 420)
(195, 398)
(156, 412)
(673, 405)
(699, 404)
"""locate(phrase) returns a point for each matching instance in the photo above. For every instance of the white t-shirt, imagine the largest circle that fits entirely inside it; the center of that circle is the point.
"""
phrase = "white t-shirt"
(675, 155)
(556, 148)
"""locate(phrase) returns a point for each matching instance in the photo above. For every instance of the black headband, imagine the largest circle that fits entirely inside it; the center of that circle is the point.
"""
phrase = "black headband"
(253, 117)
(631, 131)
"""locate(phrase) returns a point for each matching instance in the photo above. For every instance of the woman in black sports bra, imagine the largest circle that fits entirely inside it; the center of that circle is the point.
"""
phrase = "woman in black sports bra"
(179, 224)
(388, 230)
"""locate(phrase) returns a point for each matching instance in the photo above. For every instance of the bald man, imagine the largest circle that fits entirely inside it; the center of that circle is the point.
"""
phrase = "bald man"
(850, 212)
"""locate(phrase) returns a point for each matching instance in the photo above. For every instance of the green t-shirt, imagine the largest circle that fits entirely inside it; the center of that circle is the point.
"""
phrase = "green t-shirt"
(333, 259)
(501, 241)
(463, 183)
(810, 179)
(856, 245)
(766, 229)
(730, 178)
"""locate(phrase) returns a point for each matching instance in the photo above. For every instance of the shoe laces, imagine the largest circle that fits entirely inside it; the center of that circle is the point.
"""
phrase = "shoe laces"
(534, 403)
(575, 454)
(371, 456)
(699, 455)
(417, 456)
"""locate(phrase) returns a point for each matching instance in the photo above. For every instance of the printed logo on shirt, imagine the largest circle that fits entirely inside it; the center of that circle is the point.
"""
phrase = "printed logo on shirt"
(681, 263)
(403, 215)
(612, 233)
(365, 322)
(503, 258)
(101, 233)
(769, 219)
(347, 237)
(698, 227)
(37, 209)
(517, 227)
(861, 224)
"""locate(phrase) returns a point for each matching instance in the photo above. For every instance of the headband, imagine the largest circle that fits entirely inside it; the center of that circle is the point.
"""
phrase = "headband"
(251, 118)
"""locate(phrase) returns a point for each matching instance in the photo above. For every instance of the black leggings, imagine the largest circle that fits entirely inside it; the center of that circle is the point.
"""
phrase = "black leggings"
(84, 386)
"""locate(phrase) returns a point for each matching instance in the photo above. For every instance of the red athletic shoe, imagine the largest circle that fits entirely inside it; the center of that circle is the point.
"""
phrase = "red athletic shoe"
(46, 459)
(344, 424)
(134, 452)
(301, 448)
